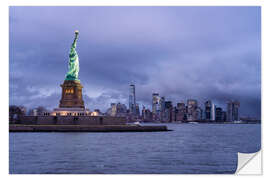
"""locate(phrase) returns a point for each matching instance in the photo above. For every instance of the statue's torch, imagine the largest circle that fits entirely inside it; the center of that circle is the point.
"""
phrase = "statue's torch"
(76, 34)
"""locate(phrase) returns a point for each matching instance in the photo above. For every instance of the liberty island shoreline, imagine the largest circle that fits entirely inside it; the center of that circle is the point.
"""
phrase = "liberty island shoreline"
(148, 127)
(85, 128)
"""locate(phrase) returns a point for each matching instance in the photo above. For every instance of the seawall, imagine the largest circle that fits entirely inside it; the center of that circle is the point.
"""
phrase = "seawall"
(71, 120)
(84, 128)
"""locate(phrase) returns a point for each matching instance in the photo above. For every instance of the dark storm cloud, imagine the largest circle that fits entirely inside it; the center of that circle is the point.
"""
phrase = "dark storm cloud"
(180, 52)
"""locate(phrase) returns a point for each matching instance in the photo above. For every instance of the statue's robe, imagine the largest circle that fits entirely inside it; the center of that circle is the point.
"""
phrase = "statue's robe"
(73, 66)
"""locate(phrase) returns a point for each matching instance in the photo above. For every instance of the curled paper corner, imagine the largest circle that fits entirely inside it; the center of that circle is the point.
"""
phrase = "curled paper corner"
(249, 163)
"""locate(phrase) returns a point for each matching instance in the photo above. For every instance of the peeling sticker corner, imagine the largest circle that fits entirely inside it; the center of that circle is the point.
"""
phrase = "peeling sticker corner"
(249, 163)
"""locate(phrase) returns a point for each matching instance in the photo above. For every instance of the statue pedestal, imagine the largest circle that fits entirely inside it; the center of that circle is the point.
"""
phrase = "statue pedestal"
(71, 95)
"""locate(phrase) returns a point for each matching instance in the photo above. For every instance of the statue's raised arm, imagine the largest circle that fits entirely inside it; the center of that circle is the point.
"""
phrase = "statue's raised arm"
(73, 65)
(75, 39)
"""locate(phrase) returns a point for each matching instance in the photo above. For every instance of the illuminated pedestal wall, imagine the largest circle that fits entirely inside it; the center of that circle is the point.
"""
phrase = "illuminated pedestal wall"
(71, 95)
(71, 112)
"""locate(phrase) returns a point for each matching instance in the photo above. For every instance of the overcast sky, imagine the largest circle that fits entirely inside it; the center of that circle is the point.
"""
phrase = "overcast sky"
(180, 52)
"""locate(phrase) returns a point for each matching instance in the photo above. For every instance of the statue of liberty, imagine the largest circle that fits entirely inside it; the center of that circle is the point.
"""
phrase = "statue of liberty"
(73, 65)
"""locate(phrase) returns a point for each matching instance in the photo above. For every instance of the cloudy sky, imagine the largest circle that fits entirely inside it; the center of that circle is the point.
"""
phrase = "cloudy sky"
(180, 52)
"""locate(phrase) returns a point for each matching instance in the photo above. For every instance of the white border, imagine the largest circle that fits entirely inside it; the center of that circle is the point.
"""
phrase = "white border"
(138, 2)
(4, 83)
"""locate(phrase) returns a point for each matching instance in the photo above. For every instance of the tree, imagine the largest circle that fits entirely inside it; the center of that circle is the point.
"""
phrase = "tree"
(16, 113)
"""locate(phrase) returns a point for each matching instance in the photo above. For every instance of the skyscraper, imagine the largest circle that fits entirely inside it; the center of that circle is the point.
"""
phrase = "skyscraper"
(137, 109)
(118, 110)
(143, 112)
(192, 109)
(213, 112)
(168, 111)
(162, 104)
(224, 116)
(132, 99)
(199, 113)
(233, 110)
(146, 115)
(219, 114)
(155, 103)
(208, 105)
(162, 108)
(181, 111)
(235, 113)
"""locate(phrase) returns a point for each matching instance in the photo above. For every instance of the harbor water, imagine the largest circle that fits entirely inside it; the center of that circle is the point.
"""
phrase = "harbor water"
(188, 149)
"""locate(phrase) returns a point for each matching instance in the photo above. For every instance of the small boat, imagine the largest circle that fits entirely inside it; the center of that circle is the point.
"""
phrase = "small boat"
(193, 123)
(137, 123)
(237, 122)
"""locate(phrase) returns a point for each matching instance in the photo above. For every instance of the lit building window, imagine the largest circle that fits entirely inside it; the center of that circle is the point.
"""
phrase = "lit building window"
(94, 113)
(69, 91)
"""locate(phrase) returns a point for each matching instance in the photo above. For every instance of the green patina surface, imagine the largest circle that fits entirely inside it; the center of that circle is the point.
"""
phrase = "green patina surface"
(73, 65)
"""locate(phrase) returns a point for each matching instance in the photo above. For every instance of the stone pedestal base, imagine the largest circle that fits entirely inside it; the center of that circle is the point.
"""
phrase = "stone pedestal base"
(71, 95)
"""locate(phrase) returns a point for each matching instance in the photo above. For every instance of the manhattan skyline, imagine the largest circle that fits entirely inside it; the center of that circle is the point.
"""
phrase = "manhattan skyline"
(179, 52)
